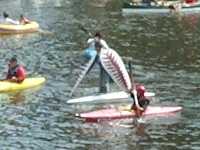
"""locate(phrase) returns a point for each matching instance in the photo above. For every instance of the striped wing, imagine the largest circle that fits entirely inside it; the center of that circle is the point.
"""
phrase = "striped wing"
(115, 67)
(87, 68)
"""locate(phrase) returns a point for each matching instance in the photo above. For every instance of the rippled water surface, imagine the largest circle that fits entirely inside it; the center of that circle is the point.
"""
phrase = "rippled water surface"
(165, 52)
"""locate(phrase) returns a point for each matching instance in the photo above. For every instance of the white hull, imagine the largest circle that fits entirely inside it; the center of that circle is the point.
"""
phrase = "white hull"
(114, 96)
(147, 11)
(160, 10)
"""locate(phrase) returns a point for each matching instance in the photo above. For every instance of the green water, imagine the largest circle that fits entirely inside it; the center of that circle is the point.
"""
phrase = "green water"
(165, 52)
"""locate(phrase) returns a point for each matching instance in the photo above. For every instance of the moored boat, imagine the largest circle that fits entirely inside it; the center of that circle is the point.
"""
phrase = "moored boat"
(143, 9)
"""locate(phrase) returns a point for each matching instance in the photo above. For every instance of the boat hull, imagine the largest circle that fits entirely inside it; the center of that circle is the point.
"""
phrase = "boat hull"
(130, 8)
(108, 97)
(16, 29)
(6, 86)
(125, 112)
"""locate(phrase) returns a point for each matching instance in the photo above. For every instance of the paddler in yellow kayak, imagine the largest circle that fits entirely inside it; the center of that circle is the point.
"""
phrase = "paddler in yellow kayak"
(16, 72)
(7, 19)
(22, 20)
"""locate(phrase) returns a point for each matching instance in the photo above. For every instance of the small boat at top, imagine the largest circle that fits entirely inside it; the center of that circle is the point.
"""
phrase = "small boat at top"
(131, 8)
(21, 28)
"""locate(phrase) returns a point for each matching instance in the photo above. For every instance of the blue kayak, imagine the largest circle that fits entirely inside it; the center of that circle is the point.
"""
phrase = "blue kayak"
(89, 53)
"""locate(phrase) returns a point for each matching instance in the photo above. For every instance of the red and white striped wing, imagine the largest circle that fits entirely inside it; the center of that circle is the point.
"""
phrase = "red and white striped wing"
(113, 64)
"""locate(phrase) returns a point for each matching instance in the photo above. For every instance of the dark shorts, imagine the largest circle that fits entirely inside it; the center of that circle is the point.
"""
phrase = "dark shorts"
(144, 103)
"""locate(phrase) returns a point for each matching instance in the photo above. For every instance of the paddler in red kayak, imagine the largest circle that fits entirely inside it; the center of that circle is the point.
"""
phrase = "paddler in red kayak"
(114, 66)
(7, 19)
(142, 100)
(16, 72)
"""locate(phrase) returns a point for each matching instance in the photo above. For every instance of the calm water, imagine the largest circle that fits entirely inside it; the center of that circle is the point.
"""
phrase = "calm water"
(165, 51)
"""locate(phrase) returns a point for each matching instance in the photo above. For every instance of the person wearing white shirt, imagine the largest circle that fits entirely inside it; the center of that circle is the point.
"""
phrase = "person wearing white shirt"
(93, 48)
(105, 79)
(97, 38)
(9, 20)
(90, 51)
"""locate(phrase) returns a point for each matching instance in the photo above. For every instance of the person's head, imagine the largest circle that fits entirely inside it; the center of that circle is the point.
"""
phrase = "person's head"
(12, 62)
(140, 90)
(97, 36)
(5, 15)
(21, 16)
(98, 46)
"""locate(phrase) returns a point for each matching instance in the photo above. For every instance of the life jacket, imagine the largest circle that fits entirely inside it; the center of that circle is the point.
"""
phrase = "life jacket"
(142, 100)
(12, 72)
(190, 1)
(140, 91)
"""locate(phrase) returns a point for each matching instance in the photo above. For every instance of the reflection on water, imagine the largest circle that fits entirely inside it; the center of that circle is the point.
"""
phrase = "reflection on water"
(165, 51)
(17, 98)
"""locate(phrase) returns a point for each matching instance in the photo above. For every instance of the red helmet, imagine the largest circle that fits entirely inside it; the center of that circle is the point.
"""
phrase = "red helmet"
(140, 90)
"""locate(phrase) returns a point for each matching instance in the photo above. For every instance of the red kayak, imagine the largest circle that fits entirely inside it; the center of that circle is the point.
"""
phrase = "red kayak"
(119, 113)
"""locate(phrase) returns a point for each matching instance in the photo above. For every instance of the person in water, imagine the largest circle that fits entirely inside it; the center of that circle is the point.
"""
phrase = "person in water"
(24, 20)
(16, 72)
(104, 84)
(97, 38)
(142, 100)
(9, 20)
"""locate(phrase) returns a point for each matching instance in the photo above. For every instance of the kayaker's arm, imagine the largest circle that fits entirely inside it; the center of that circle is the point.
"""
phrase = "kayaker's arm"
(136, 100)
(14, 79)
(133, 92)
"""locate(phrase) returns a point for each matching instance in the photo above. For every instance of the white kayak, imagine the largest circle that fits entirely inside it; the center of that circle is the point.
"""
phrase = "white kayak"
(114, 96)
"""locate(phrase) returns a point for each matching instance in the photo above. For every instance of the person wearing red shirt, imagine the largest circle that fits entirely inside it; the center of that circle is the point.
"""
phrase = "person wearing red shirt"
(23, 20)
(190, 1)
(16, 72)
(142, 100)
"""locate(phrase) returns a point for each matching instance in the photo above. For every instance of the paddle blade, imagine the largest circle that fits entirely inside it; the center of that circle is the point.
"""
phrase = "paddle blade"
(87, 68)
(115, 67)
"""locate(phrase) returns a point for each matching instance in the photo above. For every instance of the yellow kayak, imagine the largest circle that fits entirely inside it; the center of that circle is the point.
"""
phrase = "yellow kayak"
(6, 86)
(12, 29)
